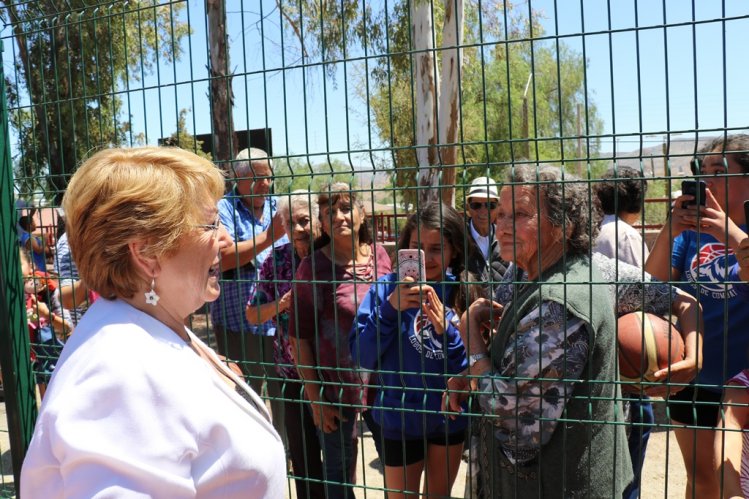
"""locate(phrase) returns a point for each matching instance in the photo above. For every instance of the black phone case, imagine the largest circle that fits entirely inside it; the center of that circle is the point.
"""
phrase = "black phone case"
(690, 187)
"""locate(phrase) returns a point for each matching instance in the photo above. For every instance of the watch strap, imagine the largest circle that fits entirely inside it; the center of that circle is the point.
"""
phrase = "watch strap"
(473, 358)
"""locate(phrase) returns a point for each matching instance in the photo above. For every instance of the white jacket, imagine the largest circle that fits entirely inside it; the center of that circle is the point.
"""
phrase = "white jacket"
(133, 411)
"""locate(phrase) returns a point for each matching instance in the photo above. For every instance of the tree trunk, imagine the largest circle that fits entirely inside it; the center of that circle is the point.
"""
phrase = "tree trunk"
(425, 95)
(221, 94)
(449, 102)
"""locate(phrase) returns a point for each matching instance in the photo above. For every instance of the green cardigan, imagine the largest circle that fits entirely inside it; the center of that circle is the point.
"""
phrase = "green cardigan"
(587, 455)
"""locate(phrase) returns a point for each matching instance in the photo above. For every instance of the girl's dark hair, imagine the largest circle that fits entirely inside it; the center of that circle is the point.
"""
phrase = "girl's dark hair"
(331, 194)
(736, 145)
(25, 222)
(439, 216)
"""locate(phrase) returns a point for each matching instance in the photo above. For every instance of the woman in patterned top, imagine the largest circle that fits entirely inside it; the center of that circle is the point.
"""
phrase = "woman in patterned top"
(271, 300)
(551, 411)
(630, 290)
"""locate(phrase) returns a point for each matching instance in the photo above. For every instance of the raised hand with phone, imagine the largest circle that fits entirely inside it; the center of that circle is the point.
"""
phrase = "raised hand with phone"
(413, 292)
(704, 207)
(411, 274)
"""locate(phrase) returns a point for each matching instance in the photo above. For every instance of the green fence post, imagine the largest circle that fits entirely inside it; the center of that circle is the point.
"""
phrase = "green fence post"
(20, 396)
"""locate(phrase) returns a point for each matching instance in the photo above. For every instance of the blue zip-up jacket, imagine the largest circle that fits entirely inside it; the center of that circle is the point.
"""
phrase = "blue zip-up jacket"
(413, 362)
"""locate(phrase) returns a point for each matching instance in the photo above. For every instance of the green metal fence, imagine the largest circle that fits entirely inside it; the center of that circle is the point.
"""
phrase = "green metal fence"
(405, 101)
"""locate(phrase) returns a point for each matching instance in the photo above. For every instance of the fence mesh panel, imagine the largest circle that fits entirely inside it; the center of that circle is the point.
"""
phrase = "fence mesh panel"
(377, 110)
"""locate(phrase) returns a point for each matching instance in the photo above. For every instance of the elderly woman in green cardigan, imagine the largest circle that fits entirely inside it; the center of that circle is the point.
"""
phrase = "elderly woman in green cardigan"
(551, 415)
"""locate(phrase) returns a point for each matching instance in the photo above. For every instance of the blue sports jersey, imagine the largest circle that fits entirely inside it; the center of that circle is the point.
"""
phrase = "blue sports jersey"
(705, 264)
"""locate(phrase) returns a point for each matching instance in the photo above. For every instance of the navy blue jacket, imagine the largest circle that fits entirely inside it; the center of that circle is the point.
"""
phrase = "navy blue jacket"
(413, 362)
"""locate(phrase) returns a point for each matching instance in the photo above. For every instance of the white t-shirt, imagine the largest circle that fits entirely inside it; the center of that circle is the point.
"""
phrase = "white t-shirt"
(620, 240)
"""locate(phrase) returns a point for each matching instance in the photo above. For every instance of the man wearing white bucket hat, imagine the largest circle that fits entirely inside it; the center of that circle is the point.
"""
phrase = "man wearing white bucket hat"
(482, 206)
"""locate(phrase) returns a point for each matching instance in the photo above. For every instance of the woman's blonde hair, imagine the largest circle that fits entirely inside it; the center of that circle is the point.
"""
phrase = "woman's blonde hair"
(117, 196)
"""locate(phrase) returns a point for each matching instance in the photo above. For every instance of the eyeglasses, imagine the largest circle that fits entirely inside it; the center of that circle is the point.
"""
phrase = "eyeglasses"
(210, 227)
(490, 205)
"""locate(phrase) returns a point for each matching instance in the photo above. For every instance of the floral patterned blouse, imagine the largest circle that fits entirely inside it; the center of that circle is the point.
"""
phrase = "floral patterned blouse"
(274, 280)
(548, 349)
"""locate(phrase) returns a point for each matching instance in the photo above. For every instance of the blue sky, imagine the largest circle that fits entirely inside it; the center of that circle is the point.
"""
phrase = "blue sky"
(674, 80)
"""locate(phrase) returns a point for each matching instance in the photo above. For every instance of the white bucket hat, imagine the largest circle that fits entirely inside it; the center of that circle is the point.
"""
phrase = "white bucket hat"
(483, 187)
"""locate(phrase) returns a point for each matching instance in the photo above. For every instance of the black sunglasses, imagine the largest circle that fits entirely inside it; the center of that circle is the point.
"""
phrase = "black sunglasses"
(477, 206)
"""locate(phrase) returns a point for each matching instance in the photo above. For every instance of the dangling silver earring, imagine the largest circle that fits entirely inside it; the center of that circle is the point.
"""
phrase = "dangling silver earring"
(151, 297)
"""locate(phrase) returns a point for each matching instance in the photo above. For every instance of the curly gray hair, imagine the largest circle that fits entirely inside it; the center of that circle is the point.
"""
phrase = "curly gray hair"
(570, 203)
(287, 203)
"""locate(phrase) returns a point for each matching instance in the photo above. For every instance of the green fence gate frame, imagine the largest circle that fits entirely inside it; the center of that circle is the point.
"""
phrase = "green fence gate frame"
(20, 398)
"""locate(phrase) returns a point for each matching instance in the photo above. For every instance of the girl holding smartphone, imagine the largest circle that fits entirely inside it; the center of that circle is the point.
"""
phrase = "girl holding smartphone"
(407, 331)
(697, 247)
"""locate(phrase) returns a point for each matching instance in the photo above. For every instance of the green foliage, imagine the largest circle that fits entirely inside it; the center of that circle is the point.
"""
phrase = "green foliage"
(328, 31)
(69, 69)
(183, 139)
(492, 81)
(291, 174)
(656, 213)
(27, 177)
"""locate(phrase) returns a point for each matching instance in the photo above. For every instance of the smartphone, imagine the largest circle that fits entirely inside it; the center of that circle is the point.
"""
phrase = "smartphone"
(694, 188)
(411, 264)
(746, 212)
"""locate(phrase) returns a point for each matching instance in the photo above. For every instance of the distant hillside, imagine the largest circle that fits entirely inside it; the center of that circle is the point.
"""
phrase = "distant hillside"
(680, 153)
(650, 159)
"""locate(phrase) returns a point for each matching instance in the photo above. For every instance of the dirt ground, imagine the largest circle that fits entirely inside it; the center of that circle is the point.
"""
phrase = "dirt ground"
(663, 475)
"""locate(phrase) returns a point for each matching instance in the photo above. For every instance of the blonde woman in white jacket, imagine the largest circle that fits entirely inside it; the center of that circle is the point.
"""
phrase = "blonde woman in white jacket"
(138, 405)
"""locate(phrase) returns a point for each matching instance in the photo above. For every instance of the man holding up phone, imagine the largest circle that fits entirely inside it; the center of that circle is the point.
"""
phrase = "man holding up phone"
(705, 239)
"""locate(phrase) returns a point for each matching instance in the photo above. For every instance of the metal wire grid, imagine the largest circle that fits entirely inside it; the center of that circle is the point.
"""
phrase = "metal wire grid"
(323, 57)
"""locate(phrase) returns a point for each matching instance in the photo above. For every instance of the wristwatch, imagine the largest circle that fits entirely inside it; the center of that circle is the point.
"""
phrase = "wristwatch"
(472, 359)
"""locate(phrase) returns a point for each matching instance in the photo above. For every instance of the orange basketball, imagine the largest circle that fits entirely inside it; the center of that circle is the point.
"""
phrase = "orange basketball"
(647, 343)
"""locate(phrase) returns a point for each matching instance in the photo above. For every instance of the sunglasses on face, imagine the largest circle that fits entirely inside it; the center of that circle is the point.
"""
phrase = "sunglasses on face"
(490, 205)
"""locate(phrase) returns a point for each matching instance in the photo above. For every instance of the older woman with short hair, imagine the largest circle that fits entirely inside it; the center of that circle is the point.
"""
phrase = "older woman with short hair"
(553, 357)
(272, 300)
(138, 405)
